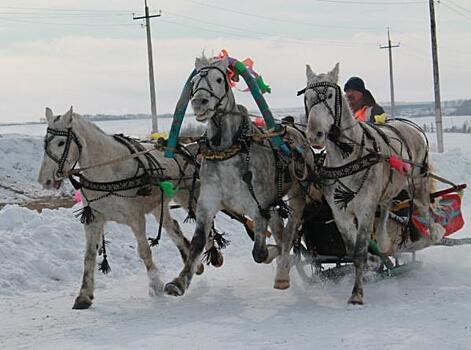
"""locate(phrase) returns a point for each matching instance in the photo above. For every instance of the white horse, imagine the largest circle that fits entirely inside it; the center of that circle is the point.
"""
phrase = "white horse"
(240, 175)
(111, 191)
(358, 168)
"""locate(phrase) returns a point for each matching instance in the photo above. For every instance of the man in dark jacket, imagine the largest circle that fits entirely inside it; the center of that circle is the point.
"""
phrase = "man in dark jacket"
(362, 102)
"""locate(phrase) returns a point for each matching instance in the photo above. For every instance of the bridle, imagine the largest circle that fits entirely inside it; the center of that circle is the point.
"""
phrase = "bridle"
(219, 111)
(203, 75)
(323, 96)
(70, 137)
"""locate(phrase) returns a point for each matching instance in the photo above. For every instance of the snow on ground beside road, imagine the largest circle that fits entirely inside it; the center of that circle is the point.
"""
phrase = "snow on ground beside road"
(234, 307)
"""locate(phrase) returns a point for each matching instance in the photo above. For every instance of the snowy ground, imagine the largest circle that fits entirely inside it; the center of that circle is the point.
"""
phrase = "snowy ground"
(234, 307)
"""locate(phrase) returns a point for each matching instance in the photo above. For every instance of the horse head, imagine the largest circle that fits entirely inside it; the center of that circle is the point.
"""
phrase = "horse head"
(211, 93)
(61, 149)
(323, 104)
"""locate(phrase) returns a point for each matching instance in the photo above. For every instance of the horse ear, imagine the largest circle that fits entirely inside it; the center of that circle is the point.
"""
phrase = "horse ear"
(334, 73)
(49, 115)
(67, 117)
(309, 73)
(199, 63)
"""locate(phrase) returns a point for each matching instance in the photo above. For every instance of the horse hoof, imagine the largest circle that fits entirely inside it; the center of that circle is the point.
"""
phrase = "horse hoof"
(82, 303)
(355, 300)
(174, 289)
(273, 252)
(199, 269)
(281, 284)
(218, 260)
(156, 288)
(260, 255)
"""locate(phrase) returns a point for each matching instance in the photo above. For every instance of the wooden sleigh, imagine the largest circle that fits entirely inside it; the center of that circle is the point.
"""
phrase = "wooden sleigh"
(320, 250)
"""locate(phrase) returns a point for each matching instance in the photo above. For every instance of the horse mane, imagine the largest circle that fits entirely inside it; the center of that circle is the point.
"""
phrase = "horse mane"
(207, 61)
(82, 122)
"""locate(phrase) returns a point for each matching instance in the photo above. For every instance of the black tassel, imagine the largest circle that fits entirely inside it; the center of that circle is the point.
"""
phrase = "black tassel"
(211, 256)
(86, 215)
(191, 217)
(283, 209)
(144, 191)
(345, 149)
(153, 241)
(104, 266)
(219, 239)
(342, 196)
(216, 139)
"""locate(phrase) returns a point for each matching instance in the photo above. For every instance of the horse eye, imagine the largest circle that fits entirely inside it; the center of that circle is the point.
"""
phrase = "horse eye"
(219, 80)
(330, 96)
(61, 143)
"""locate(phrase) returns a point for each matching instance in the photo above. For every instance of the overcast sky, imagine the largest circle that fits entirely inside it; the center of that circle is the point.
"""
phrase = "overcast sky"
(91, 54)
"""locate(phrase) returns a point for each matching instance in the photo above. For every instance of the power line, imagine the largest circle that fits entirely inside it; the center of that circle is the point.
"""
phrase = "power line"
(458, 12)
(274, 19)
(373, 2)
(459, 6)
(2, 19)
(240, 30)
(270, 37)
(59, 9)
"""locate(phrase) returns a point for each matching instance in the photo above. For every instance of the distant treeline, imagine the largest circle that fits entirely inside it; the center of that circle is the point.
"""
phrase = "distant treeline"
(465, 128)
(423, 109)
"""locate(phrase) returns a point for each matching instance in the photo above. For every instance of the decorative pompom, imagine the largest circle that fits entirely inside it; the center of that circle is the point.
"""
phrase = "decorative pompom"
(77, 197)
(168, 188)
(401, 166)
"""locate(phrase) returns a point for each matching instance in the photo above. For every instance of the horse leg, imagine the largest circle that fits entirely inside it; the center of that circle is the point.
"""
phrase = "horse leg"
(284, 261)
(138, 226)
(382, 236)
(204, 220)
(276, 225)
(260, 252)
(93, 234)
(175, 233)
(360, 254)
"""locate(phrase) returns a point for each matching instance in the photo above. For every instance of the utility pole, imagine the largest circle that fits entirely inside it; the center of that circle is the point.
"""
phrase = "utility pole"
(436, 79)
(151, 66)
(391, 81)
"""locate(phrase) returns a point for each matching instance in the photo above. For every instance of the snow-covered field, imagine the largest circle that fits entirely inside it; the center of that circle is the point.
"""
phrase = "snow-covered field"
(234, 307)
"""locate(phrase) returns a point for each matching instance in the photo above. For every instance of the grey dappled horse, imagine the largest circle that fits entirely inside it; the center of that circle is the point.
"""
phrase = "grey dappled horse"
(245, 181)
(72, 140)
(354, 196)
